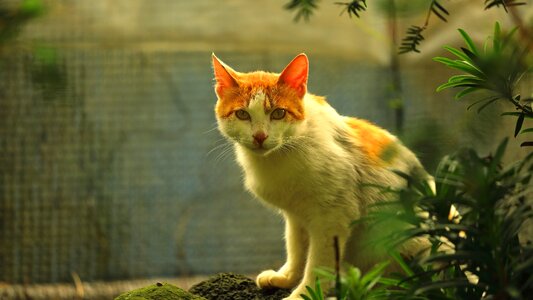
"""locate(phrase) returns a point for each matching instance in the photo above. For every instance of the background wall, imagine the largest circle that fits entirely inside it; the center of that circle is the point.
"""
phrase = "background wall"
(111, 166)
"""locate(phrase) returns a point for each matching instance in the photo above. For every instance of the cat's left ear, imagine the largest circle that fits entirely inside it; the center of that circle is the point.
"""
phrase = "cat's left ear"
(224, 76)
(295, 74)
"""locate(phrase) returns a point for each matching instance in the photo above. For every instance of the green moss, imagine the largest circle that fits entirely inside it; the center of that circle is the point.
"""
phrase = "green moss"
(224, 286)
(159, 291)
(228, 286)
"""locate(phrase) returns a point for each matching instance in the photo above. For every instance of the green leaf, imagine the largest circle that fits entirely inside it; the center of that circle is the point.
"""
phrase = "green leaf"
(311, 293)
(389, 281)
(492, 100)
(458, 84)
(510, 114)
(469, 41)
(496, 39)
(457, 53)
(465, 92)
(480, 101)
(526, 144)
(439, 10)
(527, 130)
(519, 123)
(374, 274)
(456, 256)
(318, 289)
(463, 78)
(32, 8)
(442, 285)
(461, 65)
(402, 263)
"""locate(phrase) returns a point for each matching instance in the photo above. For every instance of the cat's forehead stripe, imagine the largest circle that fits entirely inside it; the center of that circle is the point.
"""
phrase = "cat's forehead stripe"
(260, 99)
(257, 100)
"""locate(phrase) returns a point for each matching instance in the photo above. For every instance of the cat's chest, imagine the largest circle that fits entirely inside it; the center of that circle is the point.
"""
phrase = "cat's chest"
(282, 181)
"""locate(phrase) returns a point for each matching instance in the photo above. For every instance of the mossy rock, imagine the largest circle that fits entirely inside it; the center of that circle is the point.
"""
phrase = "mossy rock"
(159, 291)
(229, 286)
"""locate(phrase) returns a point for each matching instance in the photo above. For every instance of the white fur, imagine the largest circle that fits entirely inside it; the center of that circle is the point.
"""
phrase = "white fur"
(311, 172)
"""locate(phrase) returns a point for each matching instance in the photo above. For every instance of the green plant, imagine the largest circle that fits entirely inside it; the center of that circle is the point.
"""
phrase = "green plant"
(11, 21)
(314, 294)
(354, 285)
(413, 36)
(493, 204)
(496, 70)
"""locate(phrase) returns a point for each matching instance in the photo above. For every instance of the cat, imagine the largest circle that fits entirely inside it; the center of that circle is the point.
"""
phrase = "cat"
(308, 162)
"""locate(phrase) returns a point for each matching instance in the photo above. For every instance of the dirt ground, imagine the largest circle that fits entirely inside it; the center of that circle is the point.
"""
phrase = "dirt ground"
(223, 286)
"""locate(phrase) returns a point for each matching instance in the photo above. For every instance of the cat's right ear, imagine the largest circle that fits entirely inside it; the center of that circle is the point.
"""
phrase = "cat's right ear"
(295, 74)
(224, 76)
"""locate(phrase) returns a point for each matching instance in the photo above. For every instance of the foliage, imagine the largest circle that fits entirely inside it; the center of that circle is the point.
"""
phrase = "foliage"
(304, 8)
(353, 7)
(314, 294)
(11, 21)
(502, 3)
(494, 202)
(413, 37)
(356, 285)
(497, 70)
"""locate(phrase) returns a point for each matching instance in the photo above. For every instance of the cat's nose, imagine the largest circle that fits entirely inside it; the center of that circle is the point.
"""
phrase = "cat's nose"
(260, 137)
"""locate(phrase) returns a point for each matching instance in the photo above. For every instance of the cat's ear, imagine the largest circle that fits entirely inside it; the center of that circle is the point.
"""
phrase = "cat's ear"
(295, 74)
(224, 76)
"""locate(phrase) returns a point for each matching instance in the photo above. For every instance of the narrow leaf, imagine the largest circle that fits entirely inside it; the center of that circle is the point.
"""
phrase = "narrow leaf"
(442, 285)
(402, 263)
(496, 39)
(318, 289)
(435, 12)
(468, 41)
(311, 293)
(482, 107)
(480, 101)
(375, 273)
(526, 130)
(456, 52)
(511, 114)
(465, 92)
(519, 123)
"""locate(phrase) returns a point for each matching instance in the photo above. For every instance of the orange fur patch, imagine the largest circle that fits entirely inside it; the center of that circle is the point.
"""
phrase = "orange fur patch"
(373, 140)
(249, 84)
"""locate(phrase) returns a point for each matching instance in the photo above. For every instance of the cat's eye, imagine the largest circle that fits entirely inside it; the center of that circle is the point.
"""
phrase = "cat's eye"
(242, 114)
(278, 114)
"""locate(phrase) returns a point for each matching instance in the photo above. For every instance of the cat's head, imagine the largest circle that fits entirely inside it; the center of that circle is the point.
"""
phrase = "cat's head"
(261, 111)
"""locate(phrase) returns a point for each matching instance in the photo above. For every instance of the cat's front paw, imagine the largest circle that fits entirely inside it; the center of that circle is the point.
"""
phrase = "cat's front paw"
(271, 278)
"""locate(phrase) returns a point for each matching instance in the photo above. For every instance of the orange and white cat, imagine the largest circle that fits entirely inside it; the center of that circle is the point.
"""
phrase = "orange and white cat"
(307, 161)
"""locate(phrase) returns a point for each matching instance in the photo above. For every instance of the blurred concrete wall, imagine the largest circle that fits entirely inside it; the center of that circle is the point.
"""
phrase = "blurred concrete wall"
(111, 166)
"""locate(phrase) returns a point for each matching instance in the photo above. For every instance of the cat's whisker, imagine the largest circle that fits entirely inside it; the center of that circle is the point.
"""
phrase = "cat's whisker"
(225, 153)
(218, 147)
(215, 127)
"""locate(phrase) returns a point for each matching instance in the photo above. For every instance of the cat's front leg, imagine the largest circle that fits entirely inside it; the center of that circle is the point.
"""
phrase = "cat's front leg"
(288, 276)
(321, 254)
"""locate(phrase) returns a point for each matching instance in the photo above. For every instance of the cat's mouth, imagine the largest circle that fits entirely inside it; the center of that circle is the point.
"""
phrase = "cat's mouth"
(261, 150)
